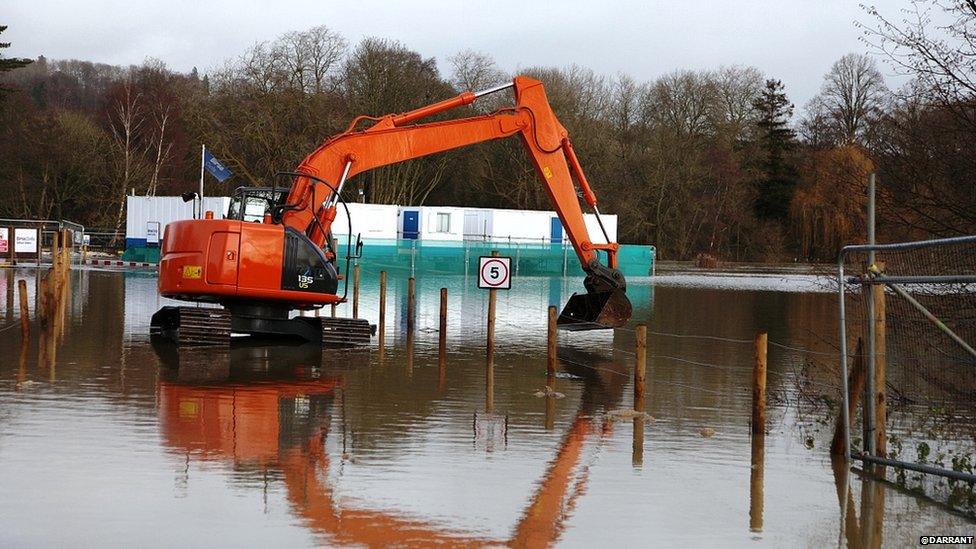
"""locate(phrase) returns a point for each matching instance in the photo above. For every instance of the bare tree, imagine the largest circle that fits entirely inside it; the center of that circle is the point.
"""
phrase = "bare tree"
(934, 42)
(160, 105)
(382, 77)
(310, 58)
(851, 100)
(737, 88)
(126, 121)
(683, 101)
(161, 116)
(473, 71)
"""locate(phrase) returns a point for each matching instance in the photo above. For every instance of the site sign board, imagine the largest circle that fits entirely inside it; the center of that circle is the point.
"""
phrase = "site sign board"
(494, 273)
(25, 241)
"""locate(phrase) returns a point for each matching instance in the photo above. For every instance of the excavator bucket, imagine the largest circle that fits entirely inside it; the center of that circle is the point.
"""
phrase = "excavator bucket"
(595, 311)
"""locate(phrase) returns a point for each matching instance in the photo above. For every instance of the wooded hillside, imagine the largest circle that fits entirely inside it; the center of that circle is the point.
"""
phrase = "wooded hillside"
(717, 162)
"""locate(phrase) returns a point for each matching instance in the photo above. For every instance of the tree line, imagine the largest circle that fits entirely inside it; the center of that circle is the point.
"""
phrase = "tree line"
(710, 162)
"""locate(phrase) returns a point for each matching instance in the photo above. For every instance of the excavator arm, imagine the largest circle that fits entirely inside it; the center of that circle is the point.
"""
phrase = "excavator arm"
(312, 200)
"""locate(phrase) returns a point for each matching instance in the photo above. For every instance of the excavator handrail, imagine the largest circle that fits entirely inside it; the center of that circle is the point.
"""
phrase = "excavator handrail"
(345, 206)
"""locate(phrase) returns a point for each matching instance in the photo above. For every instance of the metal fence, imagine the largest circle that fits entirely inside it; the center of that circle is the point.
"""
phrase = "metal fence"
(46, 231)
(913, 305)
(530, 257)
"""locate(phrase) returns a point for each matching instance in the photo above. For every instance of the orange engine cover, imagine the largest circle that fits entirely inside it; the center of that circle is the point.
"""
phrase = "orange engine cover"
(221, 260)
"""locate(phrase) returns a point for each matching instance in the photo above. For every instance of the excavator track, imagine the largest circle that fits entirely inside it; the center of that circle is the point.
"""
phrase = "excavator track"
(192, 326)
(346, 332)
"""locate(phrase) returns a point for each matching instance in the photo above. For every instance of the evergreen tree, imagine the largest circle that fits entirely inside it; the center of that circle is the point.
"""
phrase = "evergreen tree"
(777, 140)
(11, 63)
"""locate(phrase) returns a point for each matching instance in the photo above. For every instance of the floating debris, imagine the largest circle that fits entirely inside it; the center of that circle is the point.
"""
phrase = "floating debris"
(706, 432)
(548, 392)
(567, 375)
(626, 415)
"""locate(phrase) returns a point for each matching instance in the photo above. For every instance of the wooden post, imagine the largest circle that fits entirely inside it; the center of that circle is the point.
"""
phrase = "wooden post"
(758, 457)
(11, 292)
(24, 311)
(22, 366)
(355, 291)
(64, 272)
(66, 248)
(551, 339)
(442, 332)
(759, 386)
(756, 478)
(640, 367)
(492, 299)
(411, 295)
(490, 350)
(408, 363)
(880, 365)
(845, 499)
(40, 294)
(872, 512)
(382, 320)
(54, 248)
(640, 379)
(442, 344)
(855, 386)
(549, 421)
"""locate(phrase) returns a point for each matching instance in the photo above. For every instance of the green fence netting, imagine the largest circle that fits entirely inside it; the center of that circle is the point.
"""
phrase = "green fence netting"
(461, 257)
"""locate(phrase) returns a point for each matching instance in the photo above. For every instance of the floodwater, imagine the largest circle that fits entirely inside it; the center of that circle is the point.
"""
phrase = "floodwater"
(117, 442)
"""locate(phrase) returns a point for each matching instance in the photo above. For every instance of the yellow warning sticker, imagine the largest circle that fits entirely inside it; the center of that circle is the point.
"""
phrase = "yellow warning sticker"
(547, 171)
(192, 271)
(188, 409)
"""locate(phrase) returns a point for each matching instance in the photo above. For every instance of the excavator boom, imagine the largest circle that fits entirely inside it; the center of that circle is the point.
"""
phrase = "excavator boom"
(396, 138)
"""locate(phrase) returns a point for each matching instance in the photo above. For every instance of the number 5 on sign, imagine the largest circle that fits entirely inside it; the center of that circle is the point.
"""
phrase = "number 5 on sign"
(494, 273)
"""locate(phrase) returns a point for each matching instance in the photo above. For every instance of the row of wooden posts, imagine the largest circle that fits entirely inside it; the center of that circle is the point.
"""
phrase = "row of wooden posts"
(640, 369)
(758, 417)
(53, 296)
(53, 290)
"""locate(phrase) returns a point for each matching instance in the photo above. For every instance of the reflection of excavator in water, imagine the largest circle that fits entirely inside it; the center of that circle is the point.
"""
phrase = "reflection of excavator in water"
(261, 423)
(259, 272)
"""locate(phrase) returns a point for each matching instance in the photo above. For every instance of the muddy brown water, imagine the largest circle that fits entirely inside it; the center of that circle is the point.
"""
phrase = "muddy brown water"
(120, 442)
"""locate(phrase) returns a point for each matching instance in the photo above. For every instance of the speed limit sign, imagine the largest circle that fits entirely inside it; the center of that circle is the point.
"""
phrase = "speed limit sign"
(494, 273)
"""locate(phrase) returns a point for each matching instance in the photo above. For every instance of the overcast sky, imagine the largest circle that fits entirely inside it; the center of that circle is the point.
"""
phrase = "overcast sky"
(793, 40)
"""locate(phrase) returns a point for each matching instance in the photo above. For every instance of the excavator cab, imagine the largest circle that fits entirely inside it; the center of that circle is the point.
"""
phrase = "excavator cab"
(251, 204)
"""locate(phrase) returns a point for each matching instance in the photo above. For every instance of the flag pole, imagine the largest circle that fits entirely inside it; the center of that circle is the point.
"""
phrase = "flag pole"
(203, 158)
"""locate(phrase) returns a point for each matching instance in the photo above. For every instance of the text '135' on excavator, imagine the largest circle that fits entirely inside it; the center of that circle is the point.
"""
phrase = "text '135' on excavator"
(259, 271)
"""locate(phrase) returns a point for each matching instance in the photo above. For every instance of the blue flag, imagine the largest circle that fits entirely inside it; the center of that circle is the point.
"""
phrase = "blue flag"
(214, 166)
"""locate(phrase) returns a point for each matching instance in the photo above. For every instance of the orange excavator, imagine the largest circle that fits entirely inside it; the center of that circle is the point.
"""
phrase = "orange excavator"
(260, 271)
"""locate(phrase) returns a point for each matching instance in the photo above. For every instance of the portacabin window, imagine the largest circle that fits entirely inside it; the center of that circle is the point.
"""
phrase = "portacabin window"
(443, 223)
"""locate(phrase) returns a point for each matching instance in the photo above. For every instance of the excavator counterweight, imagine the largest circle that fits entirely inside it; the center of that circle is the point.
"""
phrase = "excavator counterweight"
(259, 270)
